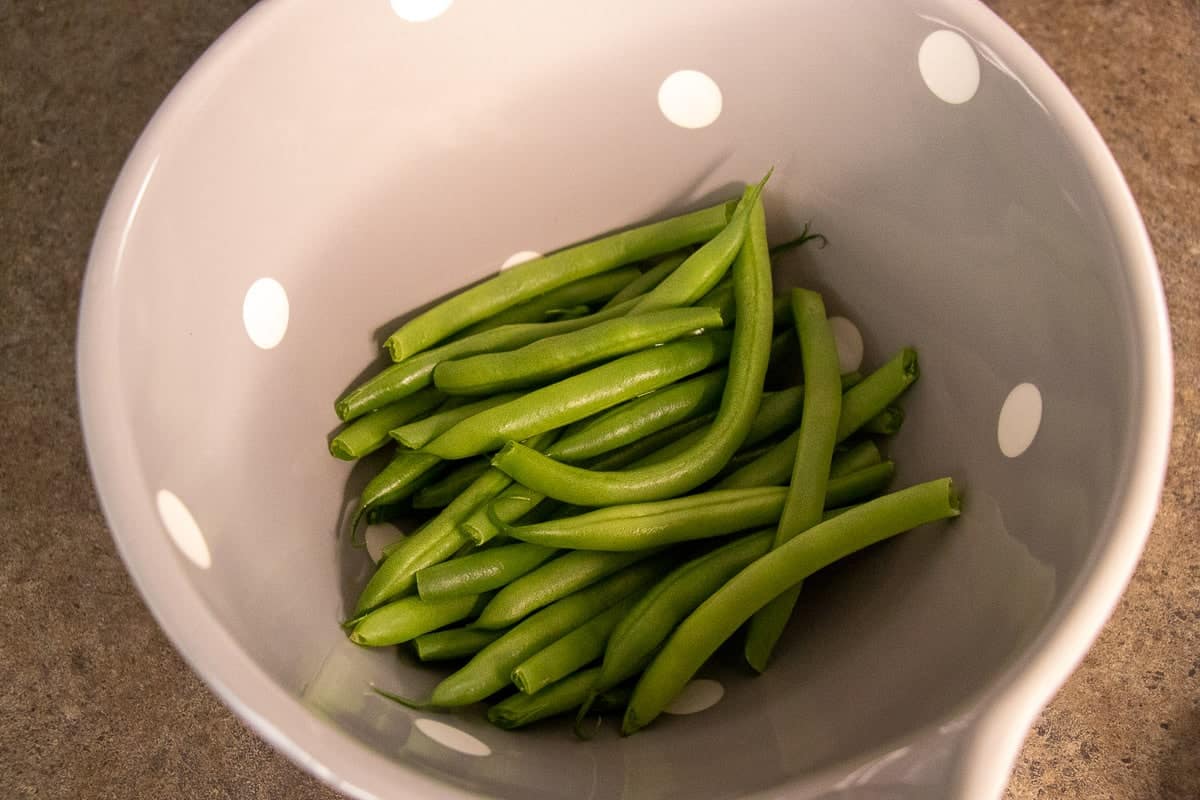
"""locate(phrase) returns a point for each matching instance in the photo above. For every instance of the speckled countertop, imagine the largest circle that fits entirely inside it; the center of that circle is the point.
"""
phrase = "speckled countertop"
(94, 703)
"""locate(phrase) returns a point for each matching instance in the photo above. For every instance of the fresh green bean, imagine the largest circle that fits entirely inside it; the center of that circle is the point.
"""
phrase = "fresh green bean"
(718, 617)
(482, 571)
(580, 293)
(403, 475)
(861, 484)
(640, 526)
(687, 470)
(413, 374)
(572, 652)
(368, 434)
(860, 456)
(772, 468)
(810, 471)
(648, 624)
(556, 357)
(416, 435)
(877, 391)
(533, 278)
(440, 493)
(581, 395)
(553, 580)
(437, 541)
(453, 643)
(409, 617)
(705, 267)
(886, 422)
(641, 416)
(491, 668)
(520, 709)
(648, 279)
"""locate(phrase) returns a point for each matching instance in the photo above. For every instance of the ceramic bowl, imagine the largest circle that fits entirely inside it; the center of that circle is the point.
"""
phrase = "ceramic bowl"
(328, 167)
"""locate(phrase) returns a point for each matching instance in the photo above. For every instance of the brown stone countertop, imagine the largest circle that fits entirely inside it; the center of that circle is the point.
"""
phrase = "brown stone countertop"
(94, 703)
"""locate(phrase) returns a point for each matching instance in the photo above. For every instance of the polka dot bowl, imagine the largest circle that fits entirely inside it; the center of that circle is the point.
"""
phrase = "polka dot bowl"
(327, 167)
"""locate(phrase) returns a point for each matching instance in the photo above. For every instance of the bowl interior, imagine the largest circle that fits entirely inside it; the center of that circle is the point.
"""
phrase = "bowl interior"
(370, 164)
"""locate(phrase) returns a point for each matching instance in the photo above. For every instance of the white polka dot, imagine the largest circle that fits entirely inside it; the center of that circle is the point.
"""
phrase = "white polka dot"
(420, 10)
(520, 257)
(1020, 418)
(949, 66)
(690, 99)
(696, 696)
(380, 536)
(182, 527)
(449, 736)
(265, 312)
(849, 344)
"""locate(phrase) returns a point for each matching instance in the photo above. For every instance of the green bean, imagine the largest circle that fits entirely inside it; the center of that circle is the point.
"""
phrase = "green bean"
(481, 572)
(581, 395)
(437, 541)
(558, 356)
(440, 493)
(409, 617)
(416, 435)
(859, 485)
(648, 279)
(577, 294)
(572, 652)
(453, 643)
(554, 580)
(640, 526)
(718, 617)
(773, 468)
(491, 668)
(520, 709)
(413, 374)
(404, 475)
(533, 278)
(860, 456)
(641, 416)
(368, 434)
(687, 470)
(647, 625)
(814, 451)
(886, 422)
(877, 391)
(705, 267)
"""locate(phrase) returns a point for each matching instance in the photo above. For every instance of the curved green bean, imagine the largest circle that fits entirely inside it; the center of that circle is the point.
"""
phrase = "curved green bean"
(453, 643)
(718, 617)
(491, 668)
(877, 391)
(705, 267)
(687, 470)
(553, 580)
(648, 279)
(481, 572)
(533, 278)
(369, 433)
(403, 475)
(556, 357)
(581, 395)
(416, 435)
(810, 471)
(409, 617)
(572, 652)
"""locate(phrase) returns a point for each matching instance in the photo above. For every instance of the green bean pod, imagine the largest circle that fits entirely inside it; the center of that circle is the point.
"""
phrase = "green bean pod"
(482, 571)
(772, 468)
(453, 643)
(403, 475)
(718, 617)
(860, 456)
(581, 395)
(491, 668)
(441, 492)
(571, 653)
(367, 434)
(886, 423)
(415, 435)
(739, 404)
(409, 617)
(877, 391)
(580, 293)
(553, 580)
(558, 356)
(413, 374)
(519, 709)
(533, 278)
(648, 279)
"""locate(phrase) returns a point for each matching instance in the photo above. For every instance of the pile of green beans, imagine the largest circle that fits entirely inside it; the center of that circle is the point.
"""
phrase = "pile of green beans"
(597, 488)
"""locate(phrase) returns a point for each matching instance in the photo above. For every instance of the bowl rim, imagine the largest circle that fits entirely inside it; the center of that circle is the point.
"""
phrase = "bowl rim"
(992, 725)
